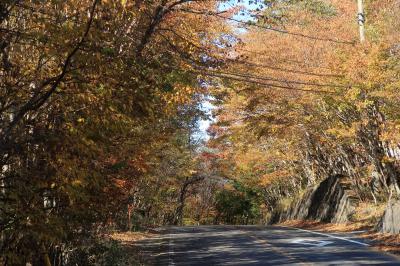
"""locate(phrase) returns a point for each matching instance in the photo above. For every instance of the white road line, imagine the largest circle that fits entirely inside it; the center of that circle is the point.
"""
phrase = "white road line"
(328, 235)
(280, 251)
(311, 242)
(357, 232)
(170, 251)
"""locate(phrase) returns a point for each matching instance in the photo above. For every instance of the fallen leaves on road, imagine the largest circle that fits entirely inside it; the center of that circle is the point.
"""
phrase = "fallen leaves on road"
(130, 237)
(130, 243)
(328, 227)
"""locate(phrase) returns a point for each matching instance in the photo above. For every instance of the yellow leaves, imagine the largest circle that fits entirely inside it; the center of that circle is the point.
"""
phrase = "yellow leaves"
(228, 186)
(70, 127)
(344, 132)
(391, 132)
(68, 25)
(76, 182)
(181, 95)
(387, 159)
(269, 178)
(193, 172)
(353, 93)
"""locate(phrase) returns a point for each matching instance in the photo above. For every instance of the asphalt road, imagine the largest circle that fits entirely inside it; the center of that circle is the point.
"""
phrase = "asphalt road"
(258, 245)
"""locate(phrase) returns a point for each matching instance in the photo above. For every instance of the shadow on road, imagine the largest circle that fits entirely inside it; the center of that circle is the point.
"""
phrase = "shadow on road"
(254, 245)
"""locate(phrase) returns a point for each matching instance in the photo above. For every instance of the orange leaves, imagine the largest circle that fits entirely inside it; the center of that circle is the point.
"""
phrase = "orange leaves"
(139, 163)
(180, 95)
(269, 178)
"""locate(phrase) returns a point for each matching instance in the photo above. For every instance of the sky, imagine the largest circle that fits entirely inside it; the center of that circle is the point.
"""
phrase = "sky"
(207, 106)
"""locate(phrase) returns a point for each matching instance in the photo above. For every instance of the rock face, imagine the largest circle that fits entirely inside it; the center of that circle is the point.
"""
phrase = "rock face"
(297, 210)
(330, 201)
(390, 222)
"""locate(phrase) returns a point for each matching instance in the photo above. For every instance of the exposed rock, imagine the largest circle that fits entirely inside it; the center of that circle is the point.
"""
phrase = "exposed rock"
(330, 201)
(297, 210)
(390, 222)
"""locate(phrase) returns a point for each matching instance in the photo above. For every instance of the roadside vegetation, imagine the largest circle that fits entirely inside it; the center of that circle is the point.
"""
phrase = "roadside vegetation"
(101, 103)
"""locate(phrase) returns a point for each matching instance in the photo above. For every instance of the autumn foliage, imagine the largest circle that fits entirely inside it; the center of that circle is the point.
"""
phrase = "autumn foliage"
(100, 103)
(303, 99)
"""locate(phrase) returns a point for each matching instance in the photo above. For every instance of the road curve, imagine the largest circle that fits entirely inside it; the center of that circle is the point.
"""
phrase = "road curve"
(258, 245)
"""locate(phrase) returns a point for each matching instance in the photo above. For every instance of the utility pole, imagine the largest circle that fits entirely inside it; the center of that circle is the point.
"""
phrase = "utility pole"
(361, 20)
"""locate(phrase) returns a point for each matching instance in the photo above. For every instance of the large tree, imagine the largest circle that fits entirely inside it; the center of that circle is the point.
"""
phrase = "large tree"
(92, 93)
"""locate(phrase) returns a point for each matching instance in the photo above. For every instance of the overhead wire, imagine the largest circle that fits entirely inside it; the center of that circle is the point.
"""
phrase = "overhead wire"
(255, 82)
(300, 63)
(248, 63)
(248, 78)
(266, 78)
(244, 23)
(257, 65)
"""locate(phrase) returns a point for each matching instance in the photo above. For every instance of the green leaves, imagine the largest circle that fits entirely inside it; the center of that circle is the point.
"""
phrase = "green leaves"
(239, 205)
(320, 8)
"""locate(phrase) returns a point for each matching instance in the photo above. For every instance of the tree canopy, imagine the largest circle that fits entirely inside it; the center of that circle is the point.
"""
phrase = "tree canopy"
(100, 105)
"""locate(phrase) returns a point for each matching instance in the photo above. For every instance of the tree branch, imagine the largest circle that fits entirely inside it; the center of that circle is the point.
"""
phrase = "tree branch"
(36, 102)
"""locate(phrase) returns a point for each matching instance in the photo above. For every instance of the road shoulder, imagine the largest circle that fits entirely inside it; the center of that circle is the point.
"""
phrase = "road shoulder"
(376, 241)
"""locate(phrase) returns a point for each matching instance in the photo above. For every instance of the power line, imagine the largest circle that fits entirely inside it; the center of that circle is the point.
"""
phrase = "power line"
(248, 78)
(253, 79)
(248, 63)
(269, 85)
(266, 78)
(208, 73)
(302, 64)
(311, 37)
(288, 32)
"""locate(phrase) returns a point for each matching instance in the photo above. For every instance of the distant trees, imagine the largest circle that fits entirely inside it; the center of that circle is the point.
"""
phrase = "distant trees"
(238, 205)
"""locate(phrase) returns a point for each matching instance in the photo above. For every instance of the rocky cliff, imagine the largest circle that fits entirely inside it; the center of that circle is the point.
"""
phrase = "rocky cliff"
(330, 201)
(390, 222)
